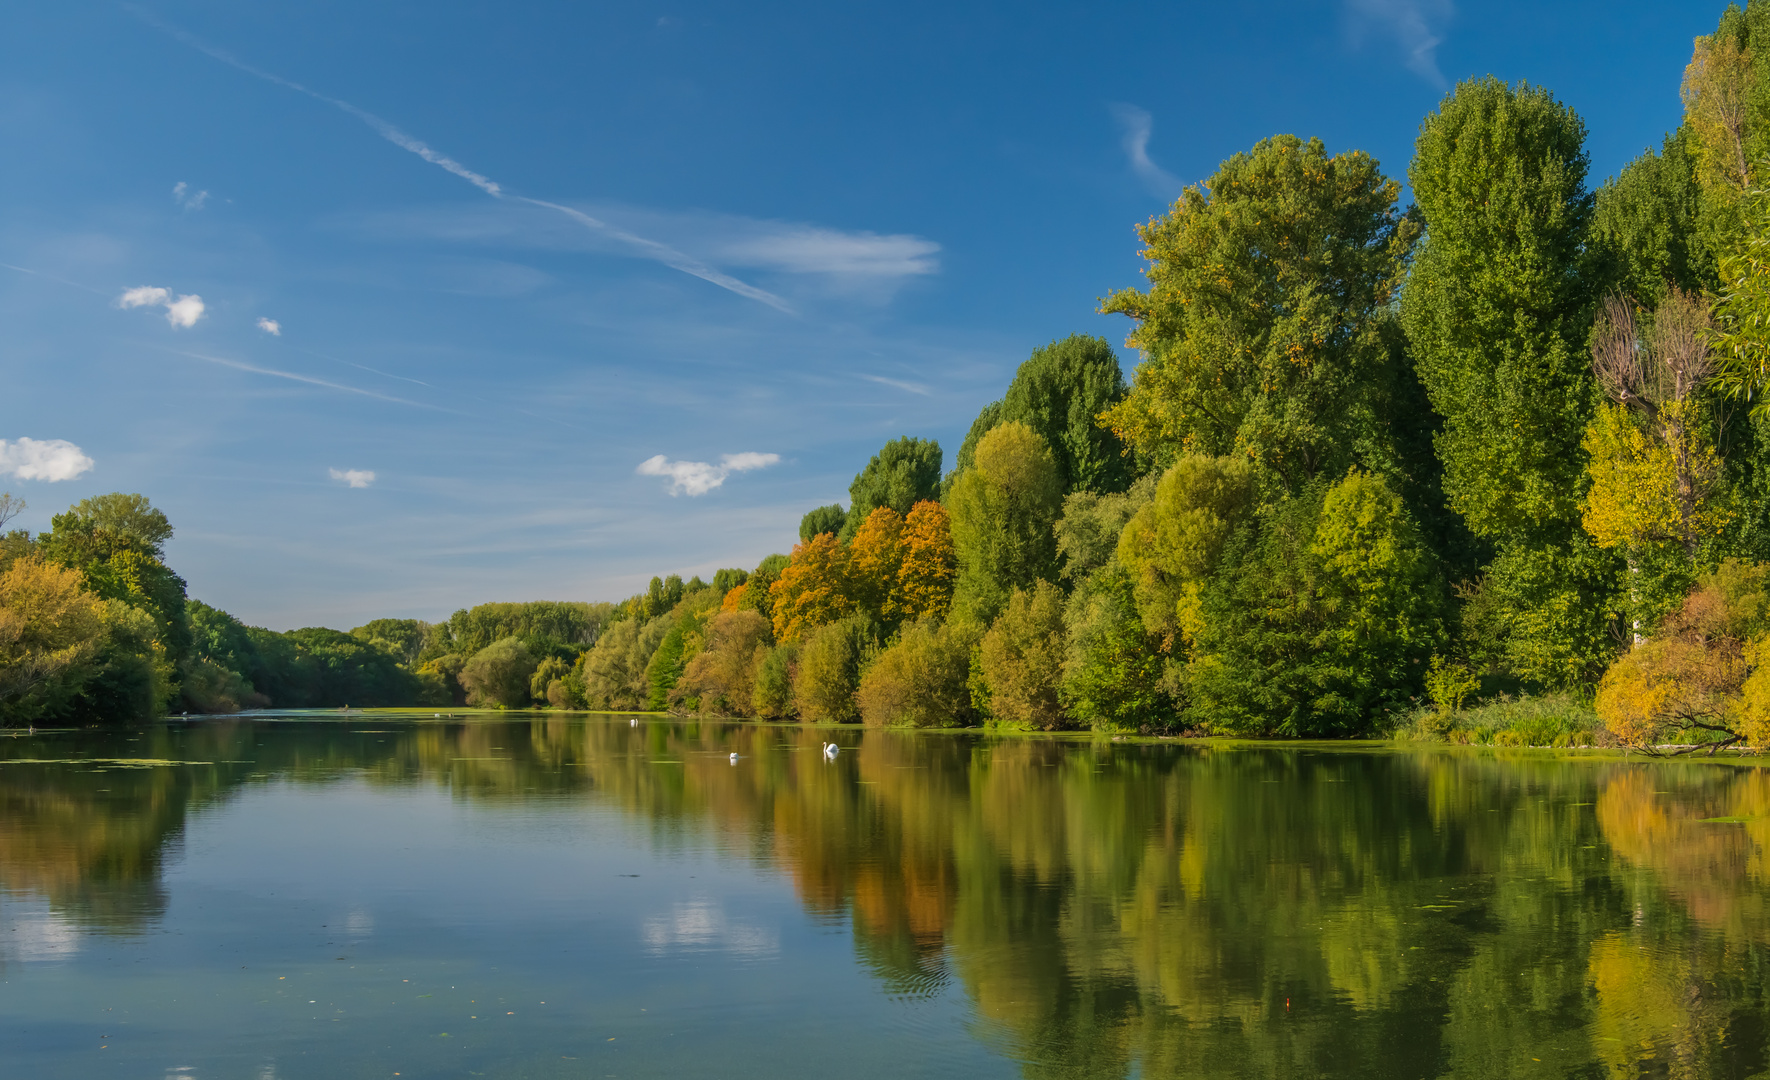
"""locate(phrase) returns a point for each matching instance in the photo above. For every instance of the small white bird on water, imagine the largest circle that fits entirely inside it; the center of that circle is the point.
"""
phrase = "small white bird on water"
(734, 758)
(831, 750)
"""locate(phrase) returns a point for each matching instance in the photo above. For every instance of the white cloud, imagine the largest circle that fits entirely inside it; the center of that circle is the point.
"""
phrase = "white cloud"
(42, 459)
(185, 311)
(356, 478)
(1413, 24)
(182, 312)
(181, 195)
(1135, 125)
(143, 296)
(270, 326)
(699, 477)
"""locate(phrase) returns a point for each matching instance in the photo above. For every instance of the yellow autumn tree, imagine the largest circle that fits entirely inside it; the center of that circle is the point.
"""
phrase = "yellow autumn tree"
(925, 574)
(814, 589)
(49, 626)
(1654, 471)
(875, 559)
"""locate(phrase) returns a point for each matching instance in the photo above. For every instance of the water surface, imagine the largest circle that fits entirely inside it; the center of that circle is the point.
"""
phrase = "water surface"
(551, 896)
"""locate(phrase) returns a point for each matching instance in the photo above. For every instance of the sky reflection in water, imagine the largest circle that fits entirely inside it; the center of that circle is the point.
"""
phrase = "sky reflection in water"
(552, 896)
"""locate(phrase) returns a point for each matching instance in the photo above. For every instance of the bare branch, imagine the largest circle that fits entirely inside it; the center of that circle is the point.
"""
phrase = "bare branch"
(1679, 344)
(11, 506)
(1618, 360)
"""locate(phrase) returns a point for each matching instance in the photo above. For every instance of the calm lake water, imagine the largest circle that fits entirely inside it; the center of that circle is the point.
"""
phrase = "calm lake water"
(547, 896)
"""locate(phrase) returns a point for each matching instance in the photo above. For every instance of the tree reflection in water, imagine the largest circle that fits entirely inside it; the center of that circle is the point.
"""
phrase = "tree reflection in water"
(1108, 908)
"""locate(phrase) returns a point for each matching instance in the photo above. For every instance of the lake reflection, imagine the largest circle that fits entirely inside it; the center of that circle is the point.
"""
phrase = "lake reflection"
(571, 896)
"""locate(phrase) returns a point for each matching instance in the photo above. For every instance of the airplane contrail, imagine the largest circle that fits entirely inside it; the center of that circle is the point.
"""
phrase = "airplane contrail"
(652, 249)
(241, 365)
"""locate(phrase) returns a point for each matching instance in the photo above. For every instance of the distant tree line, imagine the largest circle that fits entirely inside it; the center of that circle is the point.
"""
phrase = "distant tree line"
(1511, 438)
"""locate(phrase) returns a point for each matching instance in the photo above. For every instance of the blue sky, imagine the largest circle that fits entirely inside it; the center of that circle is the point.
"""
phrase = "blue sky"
(511, 253)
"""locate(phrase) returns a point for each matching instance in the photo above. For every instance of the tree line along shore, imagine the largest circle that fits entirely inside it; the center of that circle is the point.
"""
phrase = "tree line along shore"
(1493, 466)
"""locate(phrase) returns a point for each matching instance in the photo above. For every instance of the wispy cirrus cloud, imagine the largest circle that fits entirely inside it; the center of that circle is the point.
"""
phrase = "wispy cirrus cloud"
(1135, 127)
(1414, 25)
(51, 460)
(798, 255)
(181, 313)
(699, 477)
(643, 246)
(356, 478)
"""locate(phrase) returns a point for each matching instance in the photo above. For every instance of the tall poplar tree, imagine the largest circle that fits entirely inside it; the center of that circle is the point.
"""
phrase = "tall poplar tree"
(1495, 308)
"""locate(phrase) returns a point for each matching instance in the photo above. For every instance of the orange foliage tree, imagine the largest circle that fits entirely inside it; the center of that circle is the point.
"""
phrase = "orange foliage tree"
(925, 575)
(813, 590)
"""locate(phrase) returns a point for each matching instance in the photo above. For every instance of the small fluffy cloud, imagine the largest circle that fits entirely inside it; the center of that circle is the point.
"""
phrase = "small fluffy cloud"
(1135, 126)
(185, 311)
(42, 459)
(1413, 24)
(143, 296)
(270, 326)
(182, 312)
(699, 477)
(182, 195)
(356, 478)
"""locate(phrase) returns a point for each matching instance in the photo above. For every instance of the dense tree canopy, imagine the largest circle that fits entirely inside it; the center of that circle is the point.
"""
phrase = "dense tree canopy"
(1262, 326)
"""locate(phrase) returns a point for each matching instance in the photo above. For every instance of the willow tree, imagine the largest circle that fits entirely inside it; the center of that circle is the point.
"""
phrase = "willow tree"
(1263, 324)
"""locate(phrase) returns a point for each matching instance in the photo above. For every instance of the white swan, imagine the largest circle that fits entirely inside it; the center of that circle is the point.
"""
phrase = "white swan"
(831, 750)
(734, 758)
(633, 722)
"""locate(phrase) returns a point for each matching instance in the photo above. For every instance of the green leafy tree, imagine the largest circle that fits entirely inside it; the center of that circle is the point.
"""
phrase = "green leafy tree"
(1021, 660)
(1114, 670)
(921, 680)
(1003, 511)
(1263, 325)
(1060, 392)
(756, 595)
(125, 515)
(1496, 308)
(903, 473)
(772, 697)
(1173, 544)
(498, 675)
(825, 519)
(666, 667)
(114, 541)
(829, 670)
(614, 671)
(331, 668)
(1088, 532)
(1645, 225)
(404, 638)
(1318, 621)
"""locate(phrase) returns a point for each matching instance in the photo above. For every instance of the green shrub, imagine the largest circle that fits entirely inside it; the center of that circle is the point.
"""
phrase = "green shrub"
(920, 681)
